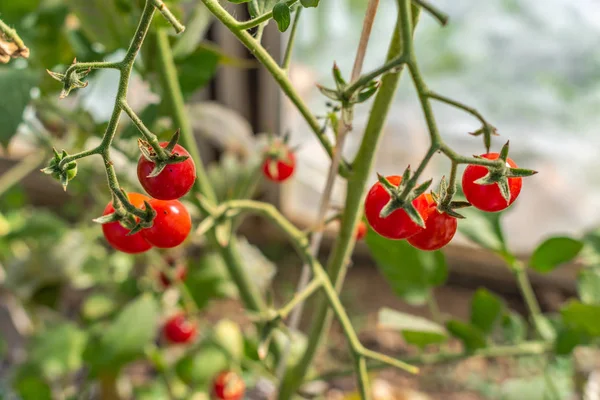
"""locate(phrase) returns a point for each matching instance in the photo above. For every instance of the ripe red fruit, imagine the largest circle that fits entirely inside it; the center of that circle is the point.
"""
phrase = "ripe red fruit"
(171, 226)
(116, 234)
(178, 329)
(488, 197)
(173, 182)
(439, 229)
(398, 224)
(180, 273)
(279, 168)
(228, 386)
(361, 231)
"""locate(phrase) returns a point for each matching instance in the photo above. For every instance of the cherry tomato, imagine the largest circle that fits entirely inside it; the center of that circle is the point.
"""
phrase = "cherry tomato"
(116, 234)
(173, 182)
(488, 197)
(171, 226)
(280, 168)
(398, 224)
(180, 273)
(439, 229)
(228, 386)
(178, 329)
(361, 231)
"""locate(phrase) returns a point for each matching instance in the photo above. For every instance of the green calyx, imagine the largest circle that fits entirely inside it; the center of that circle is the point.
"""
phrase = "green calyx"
(401, 200)
(72, 79)
(135, 219)
(443, 199)
(159, 156)
(63, 174)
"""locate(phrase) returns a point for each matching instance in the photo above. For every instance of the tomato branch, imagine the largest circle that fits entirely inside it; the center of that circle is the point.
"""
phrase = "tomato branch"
(260, 19)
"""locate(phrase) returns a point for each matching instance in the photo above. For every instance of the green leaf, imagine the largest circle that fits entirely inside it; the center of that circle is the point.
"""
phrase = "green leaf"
(588, 285)
(281, 15)
(410, 272)
(483, 229)
(553, 252)
(196, 70)
(513, 327)
(32, 387)
(228, 335)
(416, 330)
(126, 337)
(58, 350)
(208, 279)
(97, 306)
(16, 86)
(200, 367)
(471, 337)
(486, 308)
(567, 340)
(309, 3)
(582, 317)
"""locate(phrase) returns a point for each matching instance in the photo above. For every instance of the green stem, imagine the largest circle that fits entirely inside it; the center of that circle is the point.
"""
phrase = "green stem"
(146, 133)
(108, 387)
(299, 297)
(20, 171)
(357, 182)
(278, 74)
(178, 26)
(434, 308)
(13, 36)
(287, 58)
(242, 26)
(366, 78)
(437, 14)
(457, 104)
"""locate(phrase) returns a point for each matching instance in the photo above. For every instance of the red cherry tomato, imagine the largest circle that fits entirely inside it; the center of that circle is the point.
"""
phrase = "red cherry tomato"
(361, 231)
(171, 226)
(398, 224)
(439, 229)
(280, 169)
(178, 329)
(116, 234)
(488, 197)
(173, 182)
(228, 386)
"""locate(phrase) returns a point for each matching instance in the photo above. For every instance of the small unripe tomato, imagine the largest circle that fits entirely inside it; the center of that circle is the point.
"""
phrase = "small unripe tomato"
(179, 330)
(439, 229)
(117, 235)
(488, 197)
(279, 167)
(171, 225)
(174, 181)
(228, 386)
(361, 231)
(397, 225)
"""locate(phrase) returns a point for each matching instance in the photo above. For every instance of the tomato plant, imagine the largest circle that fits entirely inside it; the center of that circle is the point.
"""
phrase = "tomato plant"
(170, 227)
(178, 329)
(279, 163)
(439, 228)
(118, 236)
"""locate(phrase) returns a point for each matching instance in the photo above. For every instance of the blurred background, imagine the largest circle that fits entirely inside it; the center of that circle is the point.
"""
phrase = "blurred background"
(529, 67)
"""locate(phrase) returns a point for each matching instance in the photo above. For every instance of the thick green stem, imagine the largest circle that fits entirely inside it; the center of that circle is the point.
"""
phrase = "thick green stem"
(278, 74)
(361, 171)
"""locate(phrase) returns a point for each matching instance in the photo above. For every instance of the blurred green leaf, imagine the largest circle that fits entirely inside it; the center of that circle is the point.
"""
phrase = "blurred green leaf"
(590, 254)
(152, 391)
(471, 337)
(13, 11)
(486, 309)
(416, 330)
(32, 387)
(410, 272)
(200, 367)
(582, 317)
(97, 306)
(125, 338)
(553, 252)
(46, 37)
(309, 3)
(208, 279)
(196, 70)
(524, 388)
(567, 340)
(58, 350)
(281, 15)
(514, 327)
(588, 285)
(484, 229)
(195, 31)
(228, 335)
(17, 83)
(259, 268)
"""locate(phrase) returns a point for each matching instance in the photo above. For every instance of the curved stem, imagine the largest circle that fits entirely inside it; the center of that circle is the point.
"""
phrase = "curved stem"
(278, 74)
(260, 19)
(457, 104)
(435, 13)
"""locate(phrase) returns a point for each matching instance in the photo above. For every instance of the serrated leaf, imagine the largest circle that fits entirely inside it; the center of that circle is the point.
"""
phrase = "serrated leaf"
(471, 337)
(281, 15)
(416, 330)
(486, 309)
(411, 273)
(553, 252)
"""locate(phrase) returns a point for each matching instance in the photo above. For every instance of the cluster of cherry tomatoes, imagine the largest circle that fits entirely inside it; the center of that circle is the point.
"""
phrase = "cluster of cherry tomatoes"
(172, 223)
(439, 226)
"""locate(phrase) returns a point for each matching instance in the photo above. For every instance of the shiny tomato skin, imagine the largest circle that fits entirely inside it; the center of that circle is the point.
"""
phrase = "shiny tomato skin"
(488, 197)
(228, 386)
(361, 231)
(171, 225)
(439, 229)
(285, 168)
(398, 224)
(179, 330)
(173, 182)
(116, 234)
